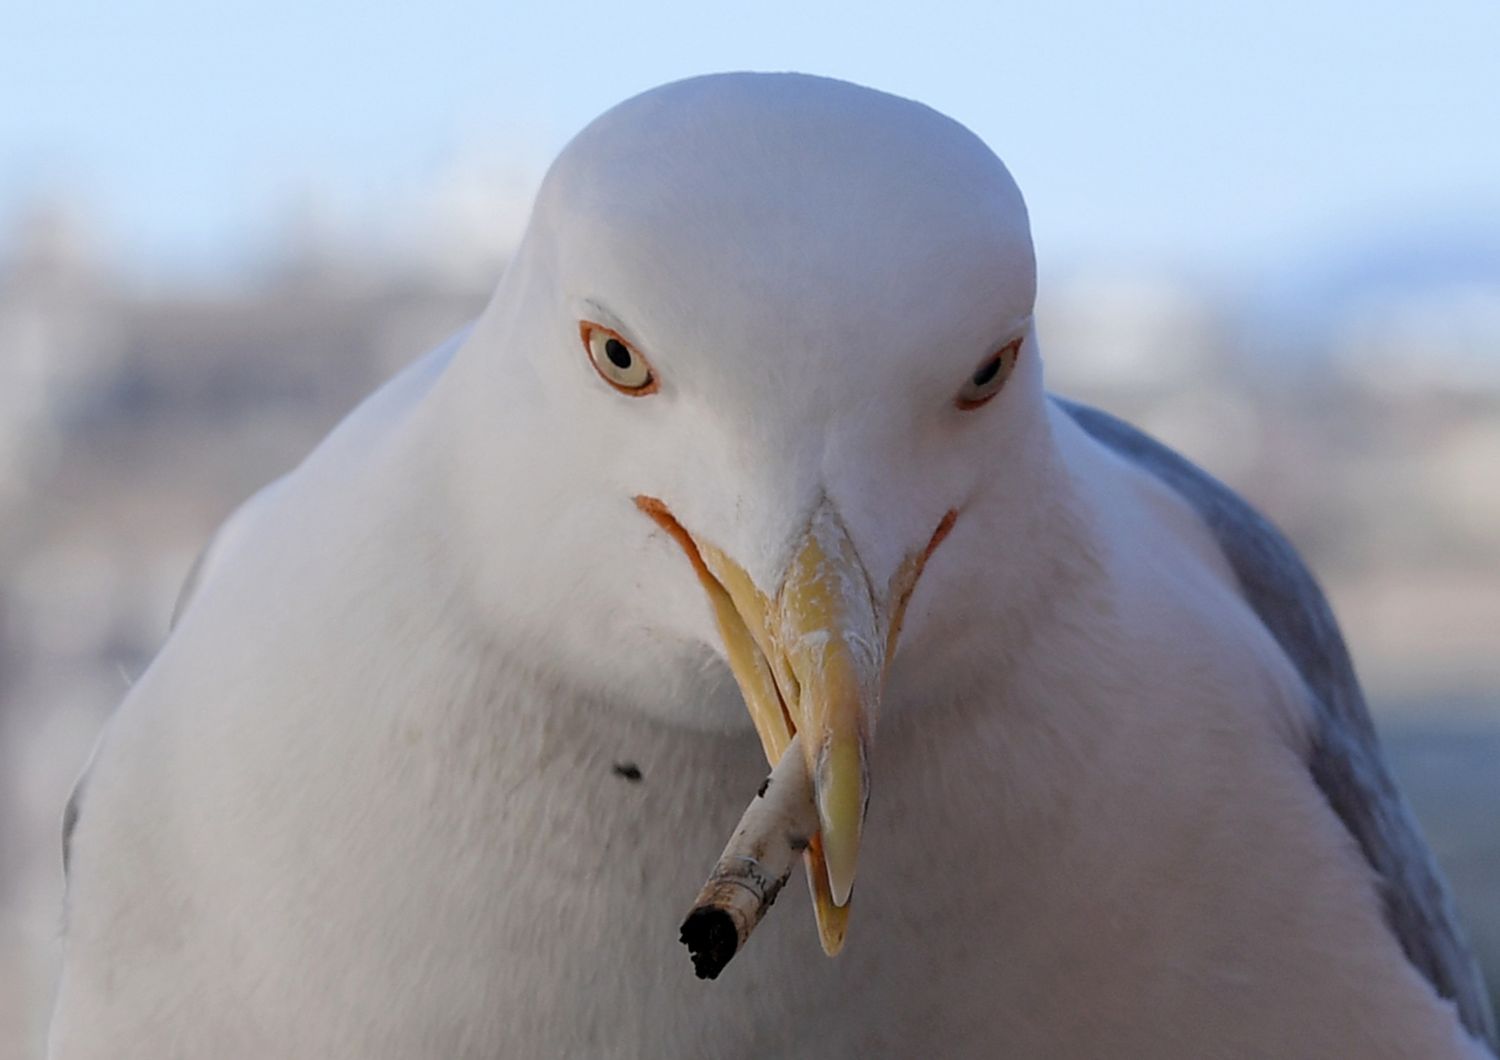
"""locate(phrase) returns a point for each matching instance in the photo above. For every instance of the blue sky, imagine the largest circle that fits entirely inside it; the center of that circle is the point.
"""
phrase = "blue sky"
(1211, 136)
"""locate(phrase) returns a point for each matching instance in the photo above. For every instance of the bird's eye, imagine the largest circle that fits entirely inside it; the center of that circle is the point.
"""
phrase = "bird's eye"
(616, 361)
(989, 377)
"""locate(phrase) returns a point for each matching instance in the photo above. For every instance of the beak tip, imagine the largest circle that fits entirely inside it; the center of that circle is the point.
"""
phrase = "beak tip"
(840, 851)
(841, 889)
(840, 880)
(842, 788)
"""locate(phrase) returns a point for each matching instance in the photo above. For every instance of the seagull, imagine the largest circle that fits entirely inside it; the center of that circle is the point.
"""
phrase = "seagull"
(752, 443)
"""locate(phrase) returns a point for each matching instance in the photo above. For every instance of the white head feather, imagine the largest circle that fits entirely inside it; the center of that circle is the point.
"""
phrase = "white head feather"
(814, 270)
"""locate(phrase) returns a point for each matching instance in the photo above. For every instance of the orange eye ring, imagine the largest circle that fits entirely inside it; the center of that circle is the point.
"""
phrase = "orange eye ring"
(616, 361)
(989, 378)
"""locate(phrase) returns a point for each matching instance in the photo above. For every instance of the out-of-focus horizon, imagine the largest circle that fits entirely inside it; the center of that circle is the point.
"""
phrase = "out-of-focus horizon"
(1239, 140)
(1270, 235)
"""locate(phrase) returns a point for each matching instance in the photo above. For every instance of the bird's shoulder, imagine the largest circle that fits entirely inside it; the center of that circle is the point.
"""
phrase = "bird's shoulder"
(1344, 756)
(258, 542)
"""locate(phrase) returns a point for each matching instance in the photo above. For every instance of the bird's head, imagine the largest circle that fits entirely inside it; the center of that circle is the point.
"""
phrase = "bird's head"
(772, 341)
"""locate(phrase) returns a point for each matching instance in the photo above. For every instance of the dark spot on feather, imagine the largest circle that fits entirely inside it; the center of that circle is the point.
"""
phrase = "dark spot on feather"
(629, 770)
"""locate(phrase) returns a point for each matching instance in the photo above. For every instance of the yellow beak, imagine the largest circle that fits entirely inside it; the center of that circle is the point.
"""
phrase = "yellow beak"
(823, 629)
(810, 658)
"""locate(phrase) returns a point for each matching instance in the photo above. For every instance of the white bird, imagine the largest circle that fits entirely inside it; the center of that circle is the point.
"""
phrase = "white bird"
(449, 729)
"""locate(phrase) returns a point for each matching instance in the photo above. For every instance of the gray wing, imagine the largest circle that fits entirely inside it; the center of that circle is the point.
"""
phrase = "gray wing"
(1345, 760)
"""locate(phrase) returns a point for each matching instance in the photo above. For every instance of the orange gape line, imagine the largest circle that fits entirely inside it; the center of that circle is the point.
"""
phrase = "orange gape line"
(904, 581)
(663, 517)
(938, 536)
(668, 522)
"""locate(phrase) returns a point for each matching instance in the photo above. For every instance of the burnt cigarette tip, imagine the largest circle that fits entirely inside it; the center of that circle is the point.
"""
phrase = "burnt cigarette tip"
(711, 939)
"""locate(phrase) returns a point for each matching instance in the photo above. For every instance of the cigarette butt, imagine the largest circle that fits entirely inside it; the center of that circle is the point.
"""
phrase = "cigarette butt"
(774, 830)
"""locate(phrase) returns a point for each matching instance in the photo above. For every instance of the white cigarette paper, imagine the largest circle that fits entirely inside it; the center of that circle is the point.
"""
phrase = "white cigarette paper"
(776, 827)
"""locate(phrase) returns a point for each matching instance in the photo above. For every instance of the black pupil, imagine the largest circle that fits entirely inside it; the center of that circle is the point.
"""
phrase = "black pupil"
(618, 353)
(987, 372)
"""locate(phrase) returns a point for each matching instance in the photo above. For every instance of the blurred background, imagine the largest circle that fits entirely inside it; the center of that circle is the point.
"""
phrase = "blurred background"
(1269, 233)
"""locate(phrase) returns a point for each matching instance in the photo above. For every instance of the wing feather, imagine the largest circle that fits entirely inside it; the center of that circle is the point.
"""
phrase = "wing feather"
(1345, 760)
